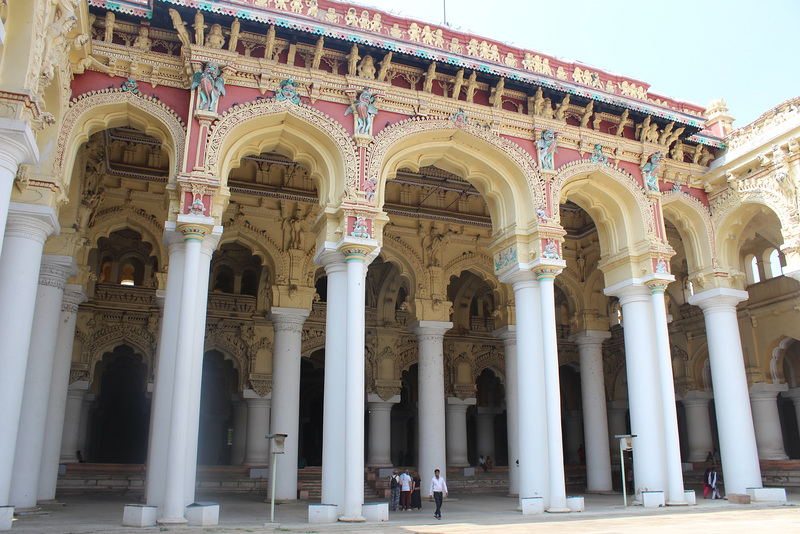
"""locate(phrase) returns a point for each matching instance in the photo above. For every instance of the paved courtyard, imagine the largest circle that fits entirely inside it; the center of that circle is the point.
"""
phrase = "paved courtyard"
(81, 514)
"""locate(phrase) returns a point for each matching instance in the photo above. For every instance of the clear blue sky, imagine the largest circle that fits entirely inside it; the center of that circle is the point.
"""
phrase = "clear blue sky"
(743, 51)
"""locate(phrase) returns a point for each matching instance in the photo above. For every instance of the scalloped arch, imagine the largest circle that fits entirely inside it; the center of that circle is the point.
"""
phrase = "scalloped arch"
(506, 175)
(307, 135)
(111, 108)
(693, 221)
(261, 244)
(119, 218)
(109, 337)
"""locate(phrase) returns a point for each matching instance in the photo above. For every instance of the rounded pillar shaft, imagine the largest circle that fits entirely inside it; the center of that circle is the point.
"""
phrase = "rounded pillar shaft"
(333, 425)
(17, 146)
(509, 336)
(285, 414)
(484, 430)
(456, 438)
(617, 426)
(767, 421)
(698, 425)
(38, 377)
(72, 421)
(257, 410)
(644, 388)
(239, 431)
(595, 418)
(737, 439)
(74, 295)
(25, 233)
(380, 432)
(432, 421)
(555, 443)
(675, 494)
(573, 436)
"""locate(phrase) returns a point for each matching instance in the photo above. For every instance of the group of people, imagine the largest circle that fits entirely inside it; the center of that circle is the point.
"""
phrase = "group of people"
(710, 481)
(486, 463)
(406, 491)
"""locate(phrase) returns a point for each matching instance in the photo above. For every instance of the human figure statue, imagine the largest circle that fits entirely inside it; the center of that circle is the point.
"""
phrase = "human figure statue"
(651, 169)
(547, 147)
(551, 250)
(180, 27)
(364, 110)
(215, 38)
(143, 41)
(211, 85)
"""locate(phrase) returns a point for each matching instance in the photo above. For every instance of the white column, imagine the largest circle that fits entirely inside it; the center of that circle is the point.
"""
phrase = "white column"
(258, 413)
(17, 146)
(669, 410)
(72, 421)
(380, 430)
(509, 336)
(644, 387)
(552, 386)
(456, 431)
(698, 425)
(53, 276)
(74, 295)
(484, 430)
(737, 438)
(26, 230)
(534, 477)
(288, 325)
(356, 258)
(333, 422)
(794, 394)
(207, 248)
(161, 405)
(767, 421)
(593, 401)
(432, 420)
(617, 425)
(83, 425)
(573, 436)
(239, 430)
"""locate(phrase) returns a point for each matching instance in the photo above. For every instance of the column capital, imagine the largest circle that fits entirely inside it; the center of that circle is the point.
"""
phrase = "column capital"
(697, 398)
(546, 268)
(18, 144)
(718, 299)
(507, 333)
(590, 337)
(518, 275)
(792, 393)
(56, 269)
(290, 319)
(458, 402)
(633, 290)
(251, 394)
(74, 296)
(31, 221)
(379, 403)
(433, 329)
(765, 391)
(329, 256)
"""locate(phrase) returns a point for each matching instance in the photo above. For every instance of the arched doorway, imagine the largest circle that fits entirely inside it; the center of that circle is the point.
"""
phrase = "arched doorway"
(216, 410)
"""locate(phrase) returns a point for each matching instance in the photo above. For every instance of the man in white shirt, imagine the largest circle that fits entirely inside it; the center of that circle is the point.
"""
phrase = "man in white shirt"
(438, 486)
(405, 491)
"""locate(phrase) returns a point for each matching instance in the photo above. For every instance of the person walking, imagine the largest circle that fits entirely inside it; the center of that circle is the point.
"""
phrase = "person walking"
(706, 487)
(438, 487)
(712, 482)
(405, 491)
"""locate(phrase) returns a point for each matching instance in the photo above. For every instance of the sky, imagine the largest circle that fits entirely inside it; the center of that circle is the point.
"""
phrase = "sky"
(742, 51)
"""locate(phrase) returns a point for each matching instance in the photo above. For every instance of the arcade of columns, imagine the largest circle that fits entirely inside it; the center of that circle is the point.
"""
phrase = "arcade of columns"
(460, 225)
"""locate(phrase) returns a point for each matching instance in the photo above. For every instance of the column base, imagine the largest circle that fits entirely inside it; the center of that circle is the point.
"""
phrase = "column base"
(355, 519)
(6, 517)
(532, 505)
(652, 499)
(767, 494)
(558, 510)
(677, 503)
(375, 511)
(576, 504)
(139, 515)
(322, 513)
(173, 521)
(202, 514)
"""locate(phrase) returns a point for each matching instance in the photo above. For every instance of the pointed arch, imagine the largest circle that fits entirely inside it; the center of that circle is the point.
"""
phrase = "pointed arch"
(107, 338)
(504, 173)
(302, 133)
(693, 221)
(128, 216)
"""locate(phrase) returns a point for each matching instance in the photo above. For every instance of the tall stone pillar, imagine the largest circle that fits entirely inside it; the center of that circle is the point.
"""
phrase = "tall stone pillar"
(456, 434)
(595, 418)
(644, 386)
(484, 430)
(256, 450)
(794, 394)
(430, 337)
(288, 324)
(698, 425)
(74, 295)
(17, 146)
(534, 477)
(737, 439)
(509, 336)
(84, 423)
(239, 430)
(333, 422)
(380, 430)
(53, 275)
(767, 421)
(617, 426)
(355, 366)
(26, 230)
(669, 411)
(72, 421)
(573, 436)
(546, 273)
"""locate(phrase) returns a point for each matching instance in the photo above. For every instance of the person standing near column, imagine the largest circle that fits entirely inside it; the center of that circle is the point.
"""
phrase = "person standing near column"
(438, 487)
(405, 491)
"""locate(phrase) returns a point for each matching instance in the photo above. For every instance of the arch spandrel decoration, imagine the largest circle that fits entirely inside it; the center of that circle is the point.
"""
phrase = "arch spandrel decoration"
(262, 245)
(705, 252)
(474, 261)
(100, 110)
(219, 139)
(231, 344)
(393, 136)
(398, 251)
(108, 337)
(128, 216)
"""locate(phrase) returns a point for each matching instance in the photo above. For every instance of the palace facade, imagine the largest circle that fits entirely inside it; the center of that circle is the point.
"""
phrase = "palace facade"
(393, 242)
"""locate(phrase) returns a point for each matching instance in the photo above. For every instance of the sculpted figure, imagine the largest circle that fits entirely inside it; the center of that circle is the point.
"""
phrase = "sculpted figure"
(484, 50)
(677, 152)
(472, 85)
(288, 91)
(472, 48)
(458, 82)
(546, 67)
(414, 32)
(385, 63)
(364, 110)
(280, 4)
(538, 102)
(561, 74)
(547, 109)
(622, 120)
(665, 133)
(598, 156)
(331, 15)
(547, 147)
(210, 84)
(527, 61)
(429, 77)
(427, 35)
(360, 229)
(234, 40)
(562, 109)
(109, 36)
(143, 41)
(296, 6)
(376, 25)
(351, 19)
(551, 250)
(215, 38)
(367, 68)
(460, 118)
(363, 22)
(395, 31)
(199, 28)
(661, 267)
(541, 213)
(511, 61)
(587, 114)
(494, 53)
(438, 38)
(313, 8)
(455, 46)
(352, 60)
(651, 169)
(180, 27)
(56, 42)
